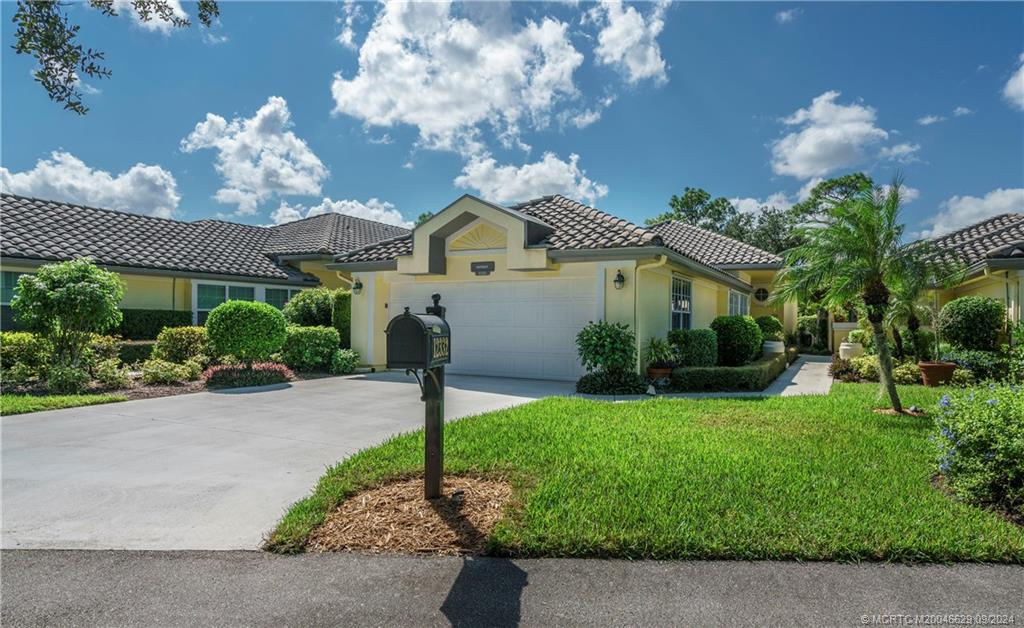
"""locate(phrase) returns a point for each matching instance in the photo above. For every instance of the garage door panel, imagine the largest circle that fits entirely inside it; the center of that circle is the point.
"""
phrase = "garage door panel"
(509, 328)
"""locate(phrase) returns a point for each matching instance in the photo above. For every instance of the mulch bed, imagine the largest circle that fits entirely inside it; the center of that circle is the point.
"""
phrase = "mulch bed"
(395, 518)
(906, 412)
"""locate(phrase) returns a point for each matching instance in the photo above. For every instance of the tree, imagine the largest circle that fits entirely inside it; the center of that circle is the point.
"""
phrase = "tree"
(832, 191)
(45, 32)
(68, 302)
(424, 217)
(696, 207)
(854, 251)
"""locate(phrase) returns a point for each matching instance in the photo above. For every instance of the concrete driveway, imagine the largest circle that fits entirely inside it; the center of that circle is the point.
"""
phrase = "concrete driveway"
(206, 470)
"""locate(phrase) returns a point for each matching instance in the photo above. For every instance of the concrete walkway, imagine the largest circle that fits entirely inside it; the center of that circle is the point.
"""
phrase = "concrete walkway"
(48, 588)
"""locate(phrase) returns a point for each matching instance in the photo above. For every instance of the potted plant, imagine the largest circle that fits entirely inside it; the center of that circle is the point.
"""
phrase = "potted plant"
(934, 373)
(853, 346)
(660, 359)
(771, 334)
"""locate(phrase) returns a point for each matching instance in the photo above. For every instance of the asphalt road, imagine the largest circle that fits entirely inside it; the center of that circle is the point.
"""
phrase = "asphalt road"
(50, 587)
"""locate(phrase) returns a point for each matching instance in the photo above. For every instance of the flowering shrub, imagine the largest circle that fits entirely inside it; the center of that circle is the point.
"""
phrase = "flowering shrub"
(236, 376)
(980, 440)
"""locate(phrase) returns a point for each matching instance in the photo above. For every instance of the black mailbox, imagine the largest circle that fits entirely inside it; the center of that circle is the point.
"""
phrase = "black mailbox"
(418, 341)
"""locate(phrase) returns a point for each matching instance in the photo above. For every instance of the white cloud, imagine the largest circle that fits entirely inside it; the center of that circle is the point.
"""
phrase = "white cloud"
(962, 111)
(214, 39)
(628, 40)
(258, 157)
(373, 209)
(960, 211)
(907, 193)
(142, 188)
(585, 118)
(787, 16)
(350, 12)
(550, 175)
(930, 119)
(829, 136)
(423, 66)
(1013, 91)
(155, 23)
(779, 200)
(904, 153)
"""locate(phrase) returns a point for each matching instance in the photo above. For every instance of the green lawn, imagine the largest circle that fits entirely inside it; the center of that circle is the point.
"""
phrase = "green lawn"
(816, 478)
(21, 404)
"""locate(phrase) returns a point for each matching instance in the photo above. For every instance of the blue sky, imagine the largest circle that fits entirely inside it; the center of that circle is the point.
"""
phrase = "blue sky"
(389, 111)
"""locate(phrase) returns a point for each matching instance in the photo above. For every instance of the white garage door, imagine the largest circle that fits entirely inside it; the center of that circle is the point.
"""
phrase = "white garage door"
(509, 328)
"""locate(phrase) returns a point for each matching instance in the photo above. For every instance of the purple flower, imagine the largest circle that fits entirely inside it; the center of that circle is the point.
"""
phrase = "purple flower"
(945, 402)
(991, 402)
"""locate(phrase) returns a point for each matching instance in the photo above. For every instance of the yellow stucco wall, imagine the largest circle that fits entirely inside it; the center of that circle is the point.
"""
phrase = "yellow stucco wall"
(328, 278)
(156, 293)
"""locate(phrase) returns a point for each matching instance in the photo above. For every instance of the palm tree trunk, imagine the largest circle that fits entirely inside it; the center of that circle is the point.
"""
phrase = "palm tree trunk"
(885, 365)
(897, 339)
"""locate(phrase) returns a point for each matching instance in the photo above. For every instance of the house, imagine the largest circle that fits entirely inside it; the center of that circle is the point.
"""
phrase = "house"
(177, 265)
(992, 252)
(519, 282)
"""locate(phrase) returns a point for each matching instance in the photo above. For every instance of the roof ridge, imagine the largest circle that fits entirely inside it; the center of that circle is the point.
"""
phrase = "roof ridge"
(337, 217)
(100, 209)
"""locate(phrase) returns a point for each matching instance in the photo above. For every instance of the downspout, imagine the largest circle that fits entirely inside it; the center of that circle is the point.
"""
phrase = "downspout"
(662, 260)
(344, 279)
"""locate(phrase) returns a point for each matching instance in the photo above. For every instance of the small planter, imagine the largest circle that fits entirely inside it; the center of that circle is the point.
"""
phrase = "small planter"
(661, 372)
(774, 346)
(936, 373)
(849, 350)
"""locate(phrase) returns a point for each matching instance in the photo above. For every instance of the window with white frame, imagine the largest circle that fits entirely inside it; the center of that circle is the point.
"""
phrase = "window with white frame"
(9, 286)
(279, 297)
(739, 303)
(682, 302)
(210, 295)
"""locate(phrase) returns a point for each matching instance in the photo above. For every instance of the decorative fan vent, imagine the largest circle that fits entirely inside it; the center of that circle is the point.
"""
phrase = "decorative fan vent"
(761, 294)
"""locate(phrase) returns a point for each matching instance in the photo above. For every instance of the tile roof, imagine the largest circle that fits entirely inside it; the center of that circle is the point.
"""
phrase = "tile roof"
(580, 227)
(995, 238)
(50, 230)
(712, 248)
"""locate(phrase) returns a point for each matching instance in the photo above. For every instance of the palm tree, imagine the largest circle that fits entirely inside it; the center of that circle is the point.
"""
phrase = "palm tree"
(854, 251)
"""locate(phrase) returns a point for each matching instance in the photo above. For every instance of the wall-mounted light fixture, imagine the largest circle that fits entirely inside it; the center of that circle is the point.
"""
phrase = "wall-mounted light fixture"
(357, 287)
(620, 280)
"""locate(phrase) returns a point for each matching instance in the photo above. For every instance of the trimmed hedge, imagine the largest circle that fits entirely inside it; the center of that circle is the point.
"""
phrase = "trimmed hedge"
(739, 339)
(695, 347)
(146, 324)
(248, 330)
(972, 322)
(309, 348)
(755, 376)
(310, 308)
(613, 382)
(136, 352)
(341, 317)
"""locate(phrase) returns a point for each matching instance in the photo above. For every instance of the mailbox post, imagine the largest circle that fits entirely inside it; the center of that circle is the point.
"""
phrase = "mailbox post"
(423, 342)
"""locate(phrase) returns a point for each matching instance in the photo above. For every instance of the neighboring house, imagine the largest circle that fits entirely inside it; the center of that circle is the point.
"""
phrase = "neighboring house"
(993, 252)
(176, 265)
(519, 282)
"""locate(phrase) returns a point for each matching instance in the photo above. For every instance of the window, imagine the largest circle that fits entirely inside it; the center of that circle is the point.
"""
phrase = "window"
(208, 296)
(739, 303)
(681, 303)
(241, 293)
(278, 297)
(9, 286)
(761, 294)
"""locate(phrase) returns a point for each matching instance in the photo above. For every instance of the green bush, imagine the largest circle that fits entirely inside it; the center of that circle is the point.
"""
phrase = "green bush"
(99, 349)
(980, 440)
(659, 354)
(135, 352)
(866, 367)
(62, 379)
(310, 308)
(156, 371)
(756, 376)
(112, 374)
(962, 378)
(907, 373)
(309, 348)
(771, 327)
(739, 339)
(843, 370)
(983, 365)
(139, 324)
(606, 346)
(695, 347)
(237, 376)
(180, 344)
(248, 330)
(24, 348)
(614, 382)
(68, 302)
(972, 322)
(342, 316)
(344, 361)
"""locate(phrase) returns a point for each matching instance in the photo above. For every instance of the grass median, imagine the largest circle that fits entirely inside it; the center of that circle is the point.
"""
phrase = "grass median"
(23, 404)
(811, 478)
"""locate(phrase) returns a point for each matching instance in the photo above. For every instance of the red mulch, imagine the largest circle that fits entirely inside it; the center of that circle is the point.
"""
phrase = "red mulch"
(395, 518)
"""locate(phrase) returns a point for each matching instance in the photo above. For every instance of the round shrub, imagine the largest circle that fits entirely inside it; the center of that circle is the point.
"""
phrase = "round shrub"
(614, 382)
(739, 339)
(695, 347)
(771, 327)
(310, 308)
(344, 361)
(606, 346)
(309, 348)
(180, 344)
(866, 367)
(972, 322)
(248, 330)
